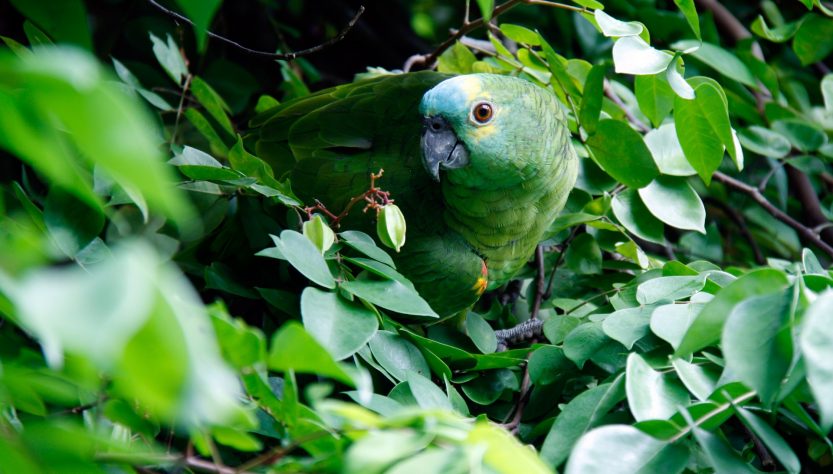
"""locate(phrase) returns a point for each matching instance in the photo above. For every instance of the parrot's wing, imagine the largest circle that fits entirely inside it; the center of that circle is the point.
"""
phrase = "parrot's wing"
(331, 141)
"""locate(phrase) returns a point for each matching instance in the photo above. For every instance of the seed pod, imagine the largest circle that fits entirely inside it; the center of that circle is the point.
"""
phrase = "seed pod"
(319, 233)
(391, 227)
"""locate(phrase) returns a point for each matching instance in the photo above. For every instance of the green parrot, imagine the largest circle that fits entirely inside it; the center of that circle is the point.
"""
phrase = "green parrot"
(479, 164)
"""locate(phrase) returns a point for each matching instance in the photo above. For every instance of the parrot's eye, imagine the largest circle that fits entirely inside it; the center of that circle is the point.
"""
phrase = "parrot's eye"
(482, 112)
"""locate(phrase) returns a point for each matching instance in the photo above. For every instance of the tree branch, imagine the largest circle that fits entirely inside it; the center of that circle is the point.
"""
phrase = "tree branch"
(288, 56)
(740, 221)
(759, 198)
(813, 214)
(428, 60)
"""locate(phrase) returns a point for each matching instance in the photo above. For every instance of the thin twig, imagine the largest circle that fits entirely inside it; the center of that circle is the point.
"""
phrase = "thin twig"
(561, 255)
(428, 60)
(375, 197)
(711, 414)
(628, 114)
(181, 106)
(540, 275)
(740, 221)
(756, 195)
(288, 56)
(273, 455)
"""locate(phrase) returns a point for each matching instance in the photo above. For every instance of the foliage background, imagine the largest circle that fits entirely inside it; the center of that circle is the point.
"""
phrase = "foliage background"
(161, 311)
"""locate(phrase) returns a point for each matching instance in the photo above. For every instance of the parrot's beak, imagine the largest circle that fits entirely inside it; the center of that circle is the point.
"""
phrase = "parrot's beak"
(440, 147)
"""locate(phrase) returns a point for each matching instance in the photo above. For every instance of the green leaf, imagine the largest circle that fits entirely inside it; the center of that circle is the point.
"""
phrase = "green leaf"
(557, 328)
(622, 153)
(651, 395)
(16, 47)
(827, 92)
(707, 129)
(305, 257)
(365, 244)
(583, 255)
(128, 78)
(149, 309)
(427, 394)
(582, 413)
(811, 263)
(66, 89)
(764, 141)
(294, 349)
(35, 35)
(720, 455)
(319, 233)
(457, 59)
(628, 325)
(690, 13)
(655, 97)
(804, 136)
(64, 21)
(771, 439)
(197, 164)
(699, 379)
(503, 453)
(243, 346)
(708, 324)
(591, 100)
(236, 439)
(520, 34)
(622, 449)
(718, 59)
(390, 294)
(486, 8)
(340, 326)
(546, 364)
(673, 201)
(816, 342)
(814, 39)
(169, 57)
(213, 103)
(200, 12)
(613, 28)
(200, 122)
(481, 333)
(72, 223)
(487, 388)
(757, 343)
(779, 34)
(669, 288)
(632, 55)
(378, 450)
(629, 209)
(670, 322)
(676, 80)
(584, 342)
(667, 152)
(398, 355)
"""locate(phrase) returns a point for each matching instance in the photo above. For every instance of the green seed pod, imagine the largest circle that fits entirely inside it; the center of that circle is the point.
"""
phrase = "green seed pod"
(319, 233)
(391, 227)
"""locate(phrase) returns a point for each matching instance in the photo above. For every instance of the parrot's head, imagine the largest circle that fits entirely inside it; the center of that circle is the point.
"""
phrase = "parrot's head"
(489, 131)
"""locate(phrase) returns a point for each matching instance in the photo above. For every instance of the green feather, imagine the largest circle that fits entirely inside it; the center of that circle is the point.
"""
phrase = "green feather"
(521, 169)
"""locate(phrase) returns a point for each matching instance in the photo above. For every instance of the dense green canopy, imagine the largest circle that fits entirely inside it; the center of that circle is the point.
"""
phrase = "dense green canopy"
(182, 290)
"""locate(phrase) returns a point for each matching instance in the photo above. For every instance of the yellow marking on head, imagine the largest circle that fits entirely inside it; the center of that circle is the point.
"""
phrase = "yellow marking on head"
(469, 85)
(483, 131)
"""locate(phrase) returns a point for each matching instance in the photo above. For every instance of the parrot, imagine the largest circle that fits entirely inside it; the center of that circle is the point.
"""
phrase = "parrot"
(479, 164)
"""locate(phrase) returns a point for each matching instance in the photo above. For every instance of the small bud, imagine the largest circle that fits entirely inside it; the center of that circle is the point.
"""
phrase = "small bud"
(391, 227)
(319, 233)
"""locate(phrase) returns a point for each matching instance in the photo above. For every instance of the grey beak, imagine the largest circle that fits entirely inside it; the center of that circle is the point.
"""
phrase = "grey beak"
(440, 147)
